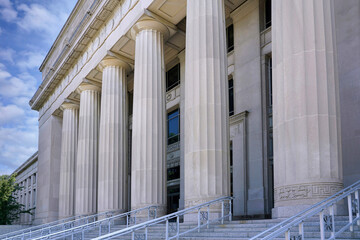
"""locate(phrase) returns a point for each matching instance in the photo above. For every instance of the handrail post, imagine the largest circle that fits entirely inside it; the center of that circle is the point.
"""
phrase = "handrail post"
(208, 217)
(350, 212)
(230, 210)
(146, 233)
(177, 227)
(127, 220)
(199, 220)
(301, 230)
(167, 229)
(109, 225)
(287, 235)
(322, 230)
(222, 212)
(332, 220)
(133, 235)
(358, 206)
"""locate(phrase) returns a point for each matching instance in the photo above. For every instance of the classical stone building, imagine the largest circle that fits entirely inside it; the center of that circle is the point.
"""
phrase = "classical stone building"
(175, 102)
(26, 178)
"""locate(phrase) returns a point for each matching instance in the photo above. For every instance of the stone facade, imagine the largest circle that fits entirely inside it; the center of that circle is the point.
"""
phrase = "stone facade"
(256, 106)
(26, 176)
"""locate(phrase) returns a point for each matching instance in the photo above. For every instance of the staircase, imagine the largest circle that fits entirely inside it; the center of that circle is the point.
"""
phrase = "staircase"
(241, 230)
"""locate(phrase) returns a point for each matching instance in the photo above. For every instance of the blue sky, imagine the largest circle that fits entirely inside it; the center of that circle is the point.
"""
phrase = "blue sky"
(27, 30)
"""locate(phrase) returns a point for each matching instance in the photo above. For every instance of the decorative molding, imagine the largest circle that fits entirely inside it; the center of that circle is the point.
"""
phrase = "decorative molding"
(238, 124)
(173, 94)
(92, 47)
(306, 191)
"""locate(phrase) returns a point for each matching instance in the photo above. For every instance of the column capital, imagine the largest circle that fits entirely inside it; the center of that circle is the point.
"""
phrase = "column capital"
(149, 24)
(112, 61)
(69, 105)
(87, 86)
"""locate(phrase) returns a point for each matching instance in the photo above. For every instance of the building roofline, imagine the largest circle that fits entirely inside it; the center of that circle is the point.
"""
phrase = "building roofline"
(67, 23)
(27, 163)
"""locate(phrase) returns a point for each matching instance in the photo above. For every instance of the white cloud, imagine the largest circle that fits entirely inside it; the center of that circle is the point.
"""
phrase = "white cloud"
(15, 87)
(7, 12)
(31, 60)
(10, 114)
(7, 54)
(40, 19)
(16, 145)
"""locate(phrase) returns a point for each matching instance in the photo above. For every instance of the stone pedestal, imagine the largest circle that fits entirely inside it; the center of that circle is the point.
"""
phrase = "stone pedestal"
(87, 155)
(206, 104)
(148, 170)
(307, 151)
(68, 159)
(112, 179)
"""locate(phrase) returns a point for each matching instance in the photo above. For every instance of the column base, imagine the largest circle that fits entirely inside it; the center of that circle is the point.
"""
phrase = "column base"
(289, 211)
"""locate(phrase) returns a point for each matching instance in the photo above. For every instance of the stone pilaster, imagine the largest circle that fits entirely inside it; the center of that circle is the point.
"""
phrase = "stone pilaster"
(148, 170)
(307, 151)
(112, 180)
(87, 155)
(206, 103)
(69, 143)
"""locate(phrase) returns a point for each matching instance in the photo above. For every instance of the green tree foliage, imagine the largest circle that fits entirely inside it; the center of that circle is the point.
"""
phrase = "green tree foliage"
(10, 209)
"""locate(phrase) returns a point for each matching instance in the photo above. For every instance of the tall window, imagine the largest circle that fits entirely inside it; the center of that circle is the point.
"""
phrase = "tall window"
(270, 149)
(230, 38)
(231, 97)
(267, 13)
(173, 77)
(173, 127)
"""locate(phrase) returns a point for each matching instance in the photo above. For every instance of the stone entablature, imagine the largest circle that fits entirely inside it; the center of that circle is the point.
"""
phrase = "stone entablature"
(80, 51)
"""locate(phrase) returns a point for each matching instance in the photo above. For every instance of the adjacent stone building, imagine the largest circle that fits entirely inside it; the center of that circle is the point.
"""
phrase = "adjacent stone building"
(26, 178)
(175, 103)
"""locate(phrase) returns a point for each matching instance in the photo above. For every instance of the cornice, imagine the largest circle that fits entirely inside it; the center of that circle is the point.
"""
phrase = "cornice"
(74, 50)
(26, 164)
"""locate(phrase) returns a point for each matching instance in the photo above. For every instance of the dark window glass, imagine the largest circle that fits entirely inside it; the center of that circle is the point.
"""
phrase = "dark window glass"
(131, 102)
(173, 173)
(231, 97)
(173, 127)
(267, 13)
(230, 38)
(173, 77)
(231, 171)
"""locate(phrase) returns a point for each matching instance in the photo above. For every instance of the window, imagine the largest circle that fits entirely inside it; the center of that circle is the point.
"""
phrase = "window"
(230, 38)
(173, 77)
(173, 127)
(173, 173)
(269, 108)
(267, 13)
(231, 97)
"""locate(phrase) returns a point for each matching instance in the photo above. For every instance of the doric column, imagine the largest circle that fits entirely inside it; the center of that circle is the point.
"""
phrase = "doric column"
(307, 152)
(87, 155)
(112, 180)
(69, 143)
(206, 103)
(148, 170)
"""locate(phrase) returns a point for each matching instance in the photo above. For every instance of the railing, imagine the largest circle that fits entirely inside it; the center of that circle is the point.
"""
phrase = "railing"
(104, 225)
(39, 227)
(218, 209)
(325, 211)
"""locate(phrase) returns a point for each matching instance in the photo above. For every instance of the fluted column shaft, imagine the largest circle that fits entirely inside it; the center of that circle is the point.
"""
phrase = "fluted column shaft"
(148, 170)
(87, 155)
(112, 189)
(68, 159)
(206, 103)
(307, 152)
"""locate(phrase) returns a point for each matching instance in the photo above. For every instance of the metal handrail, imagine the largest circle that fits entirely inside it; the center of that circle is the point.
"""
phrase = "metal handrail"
(38, 227)
(203, 219)
(45, 226)
(320, 208)
(131, 218)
